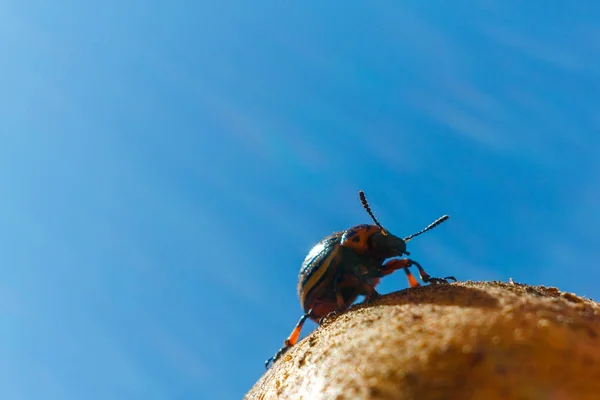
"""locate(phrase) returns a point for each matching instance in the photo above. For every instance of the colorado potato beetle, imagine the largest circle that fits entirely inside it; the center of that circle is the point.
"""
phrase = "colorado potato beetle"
(350, 263)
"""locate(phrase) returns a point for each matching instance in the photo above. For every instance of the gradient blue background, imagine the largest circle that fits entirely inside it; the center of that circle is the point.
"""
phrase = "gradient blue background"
(166, 166)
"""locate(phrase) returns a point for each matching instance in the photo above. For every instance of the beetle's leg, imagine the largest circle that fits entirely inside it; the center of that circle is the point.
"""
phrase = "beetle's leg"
(369, 292)
(338, 285)
(366, 286)
(367, 289)
(396, 264)
(412, 281)
(329, 315)
(361, 285)
(426, 278)
(393, 265)
(290, 341)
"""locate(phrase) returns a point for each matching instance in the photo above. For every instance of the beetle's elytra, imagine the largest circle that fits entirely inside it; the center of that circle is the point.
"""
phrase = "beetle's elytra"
(348, 264)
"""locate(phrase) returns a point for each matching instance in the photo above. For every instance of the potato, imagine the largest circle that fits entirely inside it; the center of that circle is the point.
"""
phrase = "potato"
(468, 340)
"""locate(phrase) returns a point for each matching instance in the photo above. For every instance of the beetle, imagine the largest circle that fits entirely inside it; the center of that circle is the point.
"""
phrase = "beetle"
(350, 263)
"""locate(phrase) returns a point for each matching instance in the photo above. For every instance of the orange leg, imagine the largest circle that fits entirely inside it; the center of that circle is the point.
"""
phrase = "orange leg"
(405, 263)
(412, 281)
(290, 341)
(428, 279)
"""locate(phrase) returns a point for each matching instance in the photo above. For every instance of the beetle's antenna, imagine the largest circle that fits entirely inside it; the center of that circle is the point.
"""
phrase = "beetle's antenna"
(366, 206)
(430, 227)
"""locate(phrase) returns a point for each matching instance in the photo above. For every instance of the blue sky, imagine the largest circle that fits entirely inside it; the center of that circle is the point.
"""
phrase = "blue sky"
(165, 168)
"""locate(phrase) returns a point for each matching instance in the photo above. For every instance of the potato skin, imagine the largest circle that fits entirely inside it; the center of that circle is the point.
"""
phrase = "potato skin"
(468, 340)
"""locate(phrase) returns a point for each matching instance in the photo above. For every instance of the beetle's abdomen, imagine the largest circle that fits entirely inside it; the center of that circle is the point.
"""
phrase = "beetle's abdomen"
(318, 270)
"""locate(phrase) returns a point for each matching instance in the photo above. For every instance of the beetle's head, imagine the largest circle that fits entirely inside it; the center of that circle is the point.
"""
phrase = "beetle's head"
(387, 245)
(384, 243)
